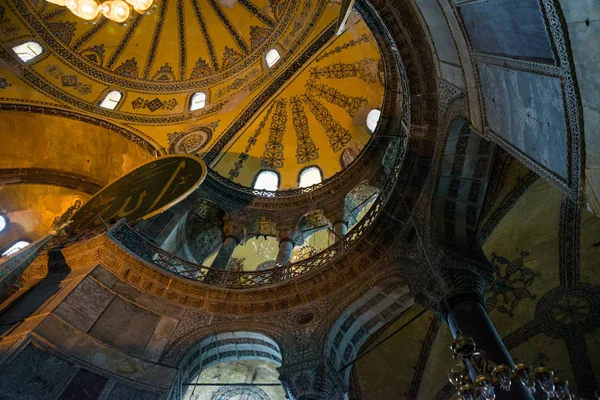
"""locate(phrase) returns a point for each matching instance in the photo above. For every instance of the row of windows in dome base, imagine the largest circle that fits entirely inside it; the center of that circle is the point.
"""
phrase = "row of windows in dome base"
(30, 50)
(15, 246)
(309, 176)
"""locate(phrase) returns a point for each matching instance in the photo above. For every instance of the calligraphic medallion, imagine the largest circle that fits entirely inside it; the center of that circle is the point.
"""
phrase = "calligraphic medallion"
(142, 193)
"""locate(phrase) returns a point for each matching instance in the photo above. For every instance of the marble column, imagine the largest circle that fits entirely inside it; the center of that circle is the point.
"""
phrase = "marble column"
(287, 240)
(464, 282)
(234, 235)
(340, 228)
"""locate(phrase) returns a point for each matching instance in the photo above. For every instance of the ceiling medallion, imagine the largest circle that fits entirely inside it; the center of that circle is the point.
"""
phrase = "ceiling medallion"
(116, 10)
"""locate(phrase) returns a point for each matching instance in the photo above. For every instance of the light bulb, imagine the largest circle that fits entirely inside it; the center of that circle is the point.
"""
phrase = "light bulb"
(141, 5)
(116, 10)
(58, 2)
(85, 9)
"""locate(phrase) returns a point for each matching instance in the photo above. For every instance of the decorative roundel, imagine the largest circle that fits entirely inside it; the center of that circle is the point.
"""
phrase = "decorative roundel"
(244, 392)
(191, 142)
(565, 311)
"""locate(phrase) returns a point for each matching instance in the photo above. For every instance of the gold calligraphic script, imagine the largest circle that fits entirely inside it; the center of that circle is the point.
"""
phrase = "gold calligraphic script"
(142, 193)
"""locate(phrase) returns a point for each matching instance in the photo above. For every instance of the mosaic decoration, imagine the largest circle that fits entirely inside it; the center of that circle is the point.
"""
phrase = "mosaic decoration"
(337, 134)
(230, 57)
(257, 12)
(8, 28)
(365, 70)
(299, 23)
(229, 26)
(131, 29)
(57, 12)
(68, 80)
(273, 155)
(234, 173)
(190, 142)
(237, 84)
(258, 36)
(206, 35)
(164, 74)
(154, 105)
(181, 36)
(4, 83)
(129, 68)
(348, 45)
(349, 103)
(306, 150)
(156, 39)
(201, 69)
(83, 39)
(262, 226)
(64, 30)
(94, 54)
(278, 7)
(511, 284)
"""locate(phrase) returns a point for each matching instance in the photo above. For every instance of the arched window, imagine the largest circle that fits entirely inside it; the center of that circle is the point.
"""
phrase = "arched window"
(350, 153)
(310, 176)
(198, 101)
(15, 247)
(111, 100)
(373, 119)
(2, 223)
(28, 50)
(267, 180)
(272, 57)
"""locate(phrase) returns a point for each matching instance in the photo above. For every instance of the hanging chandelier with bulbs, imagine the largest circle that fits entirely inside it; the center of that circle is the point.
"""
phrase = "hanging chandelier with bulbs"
(116, 10)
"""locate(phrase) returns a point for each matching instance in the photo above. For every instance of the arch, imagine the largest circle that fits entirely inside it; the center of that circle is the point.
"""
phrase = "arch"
(15, 247)
(272, 57)
(198, 101)
(266, 179)
(310, 176)
(373, 119)
(349, 154)
(28, 51)
(111, 100)
(382, 304)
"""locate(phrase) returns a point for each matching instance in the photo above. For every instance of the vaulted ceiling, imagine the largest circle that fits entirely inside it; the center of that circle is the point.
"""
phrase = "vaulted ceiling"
(159, 61)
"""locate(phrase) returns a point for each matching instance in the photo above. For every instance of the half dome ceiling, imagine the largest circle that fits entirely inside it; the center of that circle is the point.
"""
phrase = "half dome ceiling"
(159, 61)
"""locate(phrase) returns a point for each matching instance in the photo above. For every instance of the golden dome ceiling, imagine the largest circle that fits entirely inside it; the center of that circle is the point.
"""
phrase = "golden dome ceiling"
(159, 61)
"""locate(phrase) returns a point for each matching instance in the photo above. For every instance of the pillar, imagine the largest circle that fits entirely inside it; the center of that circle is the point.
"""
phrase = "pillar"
(234, 234)
(340, 228)
(340, 221)
(287, 240)
(464, 282)
(312, 379)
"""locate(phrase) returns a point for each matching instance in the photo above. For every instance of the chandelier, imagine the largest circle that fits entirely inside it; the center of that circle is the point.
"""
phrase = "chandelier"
(475, 377)
(116, 10)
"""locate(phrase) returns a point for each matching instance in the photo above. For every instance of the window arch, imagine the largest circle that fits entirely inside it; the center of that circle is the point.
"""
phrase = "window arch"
(272, 57)
(373, 119)
(198, 101)
(28, 50)
(266, 180)
(111, 100)
(21, 244)
(310, 176)
(3, 223)
(349, 154)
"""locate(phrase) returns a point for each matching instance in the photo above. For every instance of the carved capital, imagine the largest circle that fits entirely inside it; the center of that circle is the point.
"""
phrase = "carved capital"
(291, 234)
(312, 379)
(234, 230)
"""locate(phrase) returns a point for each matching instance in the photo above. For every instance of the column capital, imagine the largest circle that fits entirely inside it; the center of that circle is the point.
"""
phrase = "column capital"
(312, 379)
(234, 229)
(463, 278)
(291, 234)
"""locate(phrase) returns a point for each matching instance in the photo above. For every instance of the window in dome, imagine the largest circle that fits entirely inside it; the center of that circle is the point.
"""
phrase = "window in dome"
(111, 100)
(16, 247)
(272, 57)
(28, 51)
(2, 223)
(267, 180)
(198, 101)
(373, 119)
(310, 176)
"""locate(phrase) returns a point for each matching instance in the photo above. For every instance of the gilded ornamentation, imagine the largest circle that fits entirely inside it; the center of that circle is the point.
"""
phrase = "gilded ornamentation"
(68, 80)
(234, 173)
(273, 155)
(155, 104)
(164, 74)
(232, 30)
(207, 39)
(337, 134)
(237, 83)
(365, 70)
(349, 103)
(262, 226)
(258, 36)
(129, 68)
(94, 54)
(338, 49)
(131, 29)
(8, 28)
(230, 57)
(306, 150)
(511, 284)
(201, 69)
(64, 30)
(277, 6)
(59, 221)
(162, 12)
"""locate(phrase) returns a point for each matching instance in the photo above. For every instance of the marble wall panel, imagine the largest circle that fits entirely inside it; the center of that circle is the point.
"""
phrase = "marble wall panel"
(124, 392)
(507, 27)
(159, 339)
(104, 276)
(439, 30)
(83, 306)
(125, 326)
(527, 111)
(32, 374)
(86, 385)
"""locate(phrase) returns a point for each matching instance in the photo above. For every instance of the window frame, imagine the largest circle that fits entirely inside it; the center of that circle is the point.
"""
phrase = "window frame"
(303, 171)
(105, 98)
(36, 56)
(271, 50)
(192, 101)
(267, 171)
